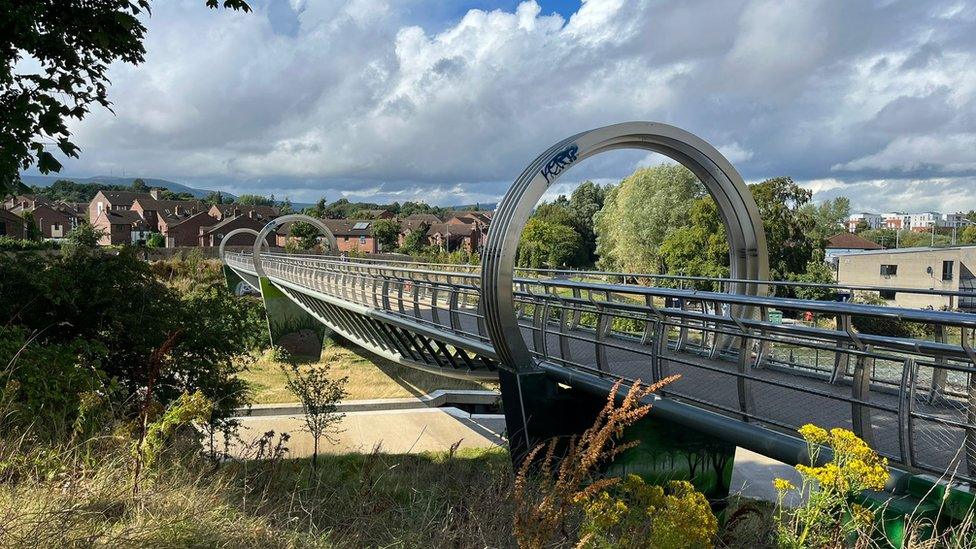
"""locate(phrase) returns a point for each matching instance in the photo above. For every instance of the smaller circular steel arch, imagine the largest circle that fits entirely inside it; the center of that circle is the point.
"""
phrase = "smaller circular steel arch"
(239, 230)
(279, 221)
(748, 255)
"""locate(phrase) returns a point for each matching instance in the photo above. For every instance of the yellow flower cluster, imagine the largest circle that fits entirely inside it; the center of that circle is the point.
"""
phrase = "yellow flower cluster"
(633, 514)
(855, 465)
(783, 485)
(813, 434)
(862, 515)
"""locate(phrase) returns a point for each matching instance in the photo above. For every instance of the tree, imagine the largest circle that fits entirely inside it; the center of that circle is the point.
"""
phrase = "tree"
(584, 203)
(828, 218)
(546, 243)
(318, 210)
(968, 235)
(320, 396)
(699, 249)
(73, 42)
(76, 297)
(286, 208)
(139, 185)
(639, 213)
(416, 240)
(254, 200)
(33, 231)
(156, 240)
(386, 232)
(306, 233)
(789, 228)
(84, 237)
(215, 198)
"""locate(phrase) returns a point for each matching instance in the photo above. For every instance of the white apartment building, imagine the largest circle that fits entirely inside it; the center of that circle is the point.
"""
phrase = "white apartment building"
(922, 221)
(894, 220)
(873, 220)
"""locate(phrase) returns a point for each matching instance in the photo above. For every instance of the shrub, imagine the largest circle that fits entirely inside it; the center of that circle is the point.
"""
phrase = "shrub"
(547, 493)
(320, 395)
(828, 515)
(634, 514)
(112, 313)
(8, 244)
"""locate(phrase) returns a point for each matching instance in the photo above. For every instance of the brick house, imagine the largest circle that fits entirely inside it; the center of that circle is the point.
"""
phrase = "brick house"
(455, 236)
(160, 215)
(353, 235)
(121, 226)
(24, 202)
(186, 232)
(12, 225)
(113, 201)
(221, 211)
(51, 221)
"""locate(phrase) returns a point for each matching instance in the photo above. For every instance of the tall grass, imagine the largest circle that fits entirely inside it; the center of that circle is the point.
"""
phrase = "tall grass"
(58, 497)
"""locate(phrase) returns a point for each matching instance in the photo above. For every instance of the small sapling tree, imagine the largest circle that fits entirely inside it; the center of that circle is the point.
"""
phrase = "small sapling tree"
(320, 395)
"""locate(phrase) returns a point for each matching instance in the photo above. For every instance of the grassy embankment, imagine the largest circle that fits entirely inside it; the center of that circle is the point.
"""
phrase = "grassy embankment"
(370, 377)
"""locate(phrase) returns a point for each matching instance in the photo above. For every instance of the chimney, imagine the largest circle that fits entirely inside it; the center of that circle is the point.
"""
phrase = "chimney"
(154, 193)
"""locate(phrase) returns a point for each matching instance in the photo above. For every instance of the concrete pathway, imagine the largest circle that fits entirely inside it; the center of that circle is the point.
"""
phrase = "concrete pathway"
(395, 431)
(424, 429)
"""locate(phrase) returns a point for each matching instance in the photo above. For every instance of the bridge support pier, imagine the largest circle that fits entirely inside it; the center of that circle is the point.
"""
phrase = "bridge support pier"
(538, 408)
(290, 326)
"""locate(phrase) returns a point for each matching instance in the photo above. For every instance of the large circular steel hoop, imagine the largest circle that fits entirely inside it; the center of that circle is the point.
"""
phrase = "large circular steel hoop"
(239, 230)
(279, 221)
(748, 254)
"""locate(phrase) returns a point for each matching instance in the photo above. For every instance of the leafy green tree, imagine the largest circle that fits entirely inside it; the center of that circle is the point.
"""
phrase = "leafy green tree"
(73, 42)
(387, 233)
(320, 394)
(700, 248)
(318, 210)
(215, 198)
(585, 201)
(416, 240)
(639, 213)
(968, 235)
(33, 231)
(254, 200)
(789, 228)
(306, 233)
(84, 237)
(286, 208)
(156, 240)
(548, 244)
(139, 185)
(69, 191)
(114, 303)
(828, 217)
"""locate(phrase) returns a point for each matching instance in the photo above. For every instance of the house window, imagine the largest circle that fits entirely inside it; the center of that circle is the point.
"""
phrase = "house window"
(887, 294)
(362, 240)
(889, 270)
(947, 271)
(345, 239)
(3, 228)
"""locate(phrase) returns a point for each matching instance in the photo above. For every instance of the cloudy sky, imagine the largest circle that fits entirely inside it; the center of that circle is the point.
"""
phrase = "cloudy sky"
(447, 101)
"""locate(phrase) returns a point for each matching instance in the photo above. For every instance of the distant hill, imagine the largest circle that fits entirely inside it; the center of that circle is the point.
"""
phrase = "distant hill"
(47, 180)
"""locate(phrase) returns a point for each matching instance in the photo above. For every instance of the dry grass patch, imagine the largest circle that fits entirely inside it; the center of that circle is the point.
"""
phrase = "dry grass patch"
(370, 377)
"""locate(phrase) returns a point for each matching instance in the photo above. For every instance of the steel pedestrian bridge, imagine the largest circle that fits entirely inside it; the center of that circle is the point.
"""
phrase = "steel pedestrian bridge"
(746, 378)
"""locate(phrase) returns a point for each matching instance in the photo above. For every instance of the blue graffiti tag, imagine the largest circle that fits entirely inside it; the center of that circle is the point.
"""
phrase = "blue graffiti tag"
(559, 163)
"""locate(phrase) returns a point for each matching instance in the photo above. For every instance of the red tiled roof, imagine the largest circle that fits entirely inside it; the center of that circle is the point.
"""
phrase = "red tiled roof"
(850, 241)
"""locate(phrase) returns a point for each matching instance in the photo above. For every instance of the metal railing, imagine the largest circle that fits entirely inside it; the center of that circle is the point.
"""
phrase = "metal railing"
(912, 395)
